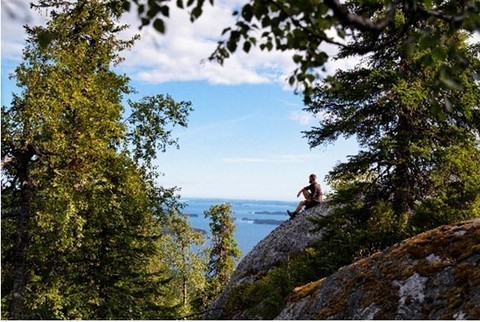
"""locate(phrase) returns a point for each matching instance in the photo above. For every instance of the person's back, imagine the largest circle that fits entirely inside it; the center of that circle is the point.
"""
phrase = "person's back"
(316, 192)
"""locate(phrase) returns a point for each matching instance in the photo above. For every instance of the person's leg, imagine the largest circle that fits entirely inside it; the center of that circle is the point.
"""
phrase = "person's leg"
(311, 203)
(300, 206)
(302, 203)
(306, 194)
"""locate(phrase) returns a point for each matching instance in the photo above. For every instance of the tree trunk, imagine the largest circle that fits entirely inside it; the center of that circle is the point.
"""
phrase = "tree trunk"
(184, 291)
(17, 304)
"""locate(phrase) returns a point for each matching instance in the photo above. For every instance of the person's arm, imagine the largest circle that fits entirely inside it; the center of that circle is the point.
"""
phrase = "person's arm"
(303, 190)
(300, 192)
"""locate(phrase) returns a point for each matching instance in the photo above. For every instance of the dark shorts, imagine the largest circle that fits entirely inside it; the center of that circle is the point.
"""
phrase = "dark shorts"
(311, 203)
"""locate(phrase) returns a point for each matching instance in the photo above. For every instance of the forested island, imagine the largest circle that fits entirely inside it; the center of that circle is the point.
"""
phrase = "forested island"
(266, 212)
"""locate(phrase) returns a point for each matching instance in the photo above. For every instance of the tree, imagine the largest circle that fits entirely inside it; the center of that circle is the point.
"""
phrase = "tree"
(188, 264)
(224, 249)
(420, 143)
(306, 26)
(46, 133)
(82, 235)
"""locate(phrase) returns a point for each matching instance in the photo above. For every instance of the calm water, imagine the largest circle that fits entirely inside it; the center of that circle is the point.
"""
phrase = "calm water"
(254, 219)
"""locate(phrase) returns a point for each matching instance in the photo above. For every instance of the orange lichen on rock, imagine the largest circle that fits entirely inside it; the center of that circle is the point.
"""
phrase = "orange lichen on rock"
(434, 275)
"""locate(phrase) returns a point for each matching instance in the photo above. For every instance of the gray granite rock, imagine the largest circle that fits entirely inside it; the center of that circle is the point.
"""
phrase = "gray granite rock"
(434, 275)
(291, 237)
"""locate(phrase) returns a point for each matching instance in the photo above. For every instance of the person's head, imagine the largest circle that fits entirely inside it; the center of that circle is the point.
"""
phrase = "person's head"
(312, 178)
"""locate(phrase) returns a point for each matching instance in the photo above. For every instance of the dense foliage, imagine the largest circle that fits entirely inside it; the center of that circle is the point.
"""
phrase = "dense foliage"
(420, 150)
(306, 27)
(86, 232)
(418, 166)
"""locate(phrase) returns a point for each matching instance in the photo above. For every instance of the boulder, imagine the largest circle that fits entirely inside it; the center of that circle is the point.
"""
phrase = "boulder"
(434, 275)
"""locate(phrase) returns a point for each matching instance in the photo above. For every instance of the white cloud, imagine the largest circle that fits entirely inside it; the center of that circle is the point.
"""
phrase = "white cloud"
(180, 54)
(15, 14)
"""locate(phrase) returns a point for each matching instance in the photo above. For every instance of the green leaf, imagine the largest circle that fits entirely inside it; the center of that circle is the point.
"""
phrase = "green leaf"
(438, 54)
(159, 25)
(44, 39)
(427, 42)
(165, 10)
(232, 45)
(145, 21)
(291, 80)
(247, 12)
(246, 46)
(428, 4)
(452, 84)
(196, 13)
(126, 5)
(269, 46)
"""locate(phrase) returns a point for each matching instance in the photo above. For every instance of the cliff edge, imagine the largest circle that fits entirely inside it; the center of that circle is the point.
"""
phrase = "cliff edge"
(289, 239)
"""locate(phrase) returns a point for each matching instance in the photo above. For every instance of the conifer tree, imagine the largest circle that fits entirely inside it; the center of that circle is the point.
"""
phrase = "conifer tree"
(418, 163)
(224, 249)
(81, 228)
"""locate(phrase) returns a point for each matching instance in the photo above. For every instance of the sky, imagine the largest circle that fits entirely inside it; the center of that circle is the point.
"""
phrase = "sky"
(244, 139)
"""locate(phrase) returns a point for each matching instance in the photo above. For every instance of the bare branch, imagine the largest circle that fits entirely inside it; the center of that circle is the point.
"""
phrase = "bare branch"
(347, 18)
(310, 32)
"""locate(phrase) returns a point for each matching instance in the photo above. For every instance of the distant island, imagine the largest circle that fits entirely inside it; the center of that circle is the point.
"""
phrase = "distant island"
(270, 213)
(263, 221)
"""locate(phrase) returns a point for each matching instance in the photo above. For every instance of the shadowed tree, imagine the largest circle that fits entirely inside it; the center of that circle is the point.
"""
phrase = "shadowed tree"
(419, 143)
(81, 214)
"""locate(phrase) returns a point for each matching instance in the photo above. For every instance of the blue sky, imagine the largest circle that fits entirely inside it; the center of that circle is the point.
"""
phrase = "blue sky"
(244, 136)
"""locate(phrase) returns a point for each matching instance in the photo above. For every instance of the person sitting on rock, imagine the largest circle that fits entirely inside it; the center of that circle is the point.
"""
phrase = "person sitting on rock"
(312, 193)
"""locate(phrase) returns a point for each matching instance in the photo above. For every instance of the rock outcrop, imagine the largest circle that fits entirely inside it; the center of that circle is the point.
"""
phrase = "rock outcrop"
(291, 237)
(434, 275)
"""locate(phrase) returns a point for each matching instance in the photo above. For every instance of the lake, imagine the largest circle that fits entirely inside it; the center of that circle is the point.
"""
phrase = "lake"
(254, 219)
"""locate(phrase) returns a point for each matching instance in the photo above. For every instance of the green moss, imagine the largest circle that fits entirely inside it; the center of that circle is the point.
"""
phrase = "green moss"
(375, 277)
(266, 297)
